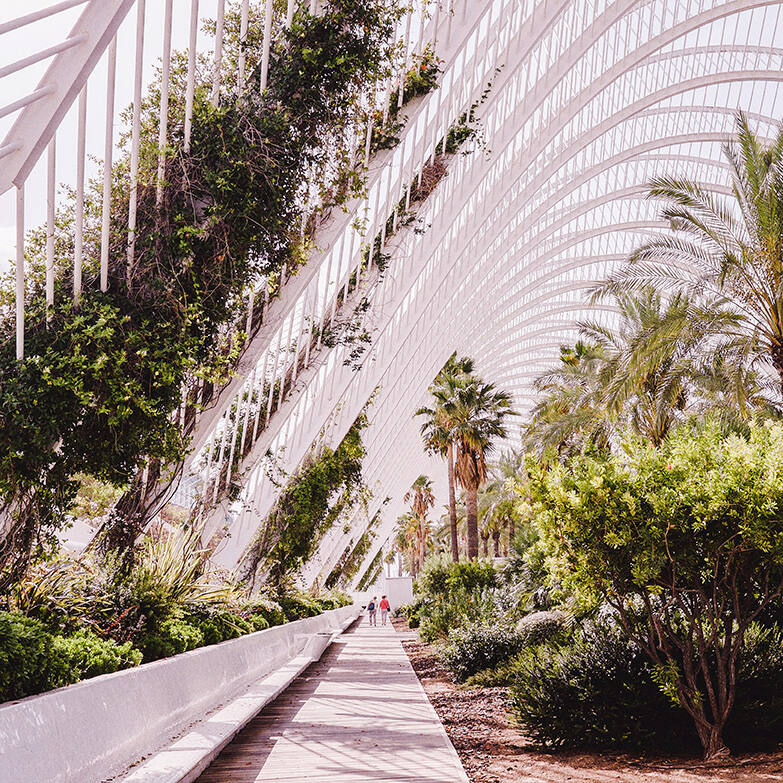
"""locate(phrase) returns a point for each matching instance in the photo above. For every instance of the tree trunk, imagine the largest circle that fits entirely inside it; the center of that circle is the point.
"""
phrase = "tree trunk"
(422, 543)
(777, 360)
(484, 542)
(452, 507)
(712, 741)
(471, 521)
(511, 534)
(496, 542)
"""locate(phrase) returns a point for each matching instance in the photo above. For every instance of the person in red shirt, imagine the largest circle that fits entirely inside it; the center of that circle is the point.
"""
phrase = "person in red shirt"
(384, 607)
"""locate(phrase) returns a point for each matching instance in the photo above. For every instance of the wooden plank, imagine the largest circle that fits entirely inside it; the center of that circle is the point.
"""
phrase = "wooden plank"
(359, 714)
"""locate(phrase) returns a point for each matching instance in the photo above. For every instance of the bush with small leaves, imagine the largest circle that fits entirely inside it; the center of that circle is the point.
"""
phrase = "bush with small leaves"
(27, 661)
(33, 660)
(265, 608)
(538, 627)
(598, 692)
(217, 624)
(475, 648)
(84, 655)
(172, 637)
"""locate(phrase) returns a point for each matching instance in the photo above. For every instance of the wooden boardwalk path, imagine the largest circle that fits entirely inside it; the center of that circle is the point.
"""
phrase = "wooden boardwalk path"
(358, 715)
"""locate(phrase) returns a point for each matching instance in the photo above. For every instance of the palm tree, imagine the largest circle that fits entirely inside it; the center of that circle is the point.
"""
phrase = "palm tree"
(406, 538)
(502, 498)
(421, 499)
(570, 410)
(436, 430)
(645, 373)
(725, 253)
(477, 412)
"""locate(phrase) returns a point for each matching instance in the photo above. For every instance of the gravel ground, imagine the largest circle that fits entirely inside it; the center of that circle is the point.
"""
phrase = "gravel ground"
(494, 751)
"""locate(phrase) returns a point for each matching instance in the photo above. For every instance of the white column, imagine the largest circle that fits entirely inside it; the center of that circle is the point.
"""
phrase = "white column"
(108, 150)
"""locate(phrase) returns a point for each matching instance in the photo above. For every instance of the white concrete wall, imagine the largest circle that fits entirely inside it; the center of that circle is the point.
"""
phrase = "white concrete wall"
(398, 589)
(92, 730)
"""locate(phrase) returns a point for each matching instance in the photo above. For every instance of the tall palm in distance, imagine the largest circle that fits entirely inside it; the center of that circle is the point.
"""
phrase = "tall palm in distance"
(421, 499)
(406, 539)
(477, 412)
(502, 497)
(723, 253)
(436, 430)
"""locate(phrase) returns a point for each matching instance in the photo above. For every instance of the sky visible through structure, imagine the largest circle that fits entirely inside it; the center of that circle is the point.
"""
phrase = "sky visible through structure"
(48, 32)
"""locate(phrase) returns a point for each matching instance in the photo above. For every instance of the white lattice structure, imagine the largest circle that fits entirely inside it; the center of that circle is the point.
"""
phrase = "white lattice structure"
(589, 100)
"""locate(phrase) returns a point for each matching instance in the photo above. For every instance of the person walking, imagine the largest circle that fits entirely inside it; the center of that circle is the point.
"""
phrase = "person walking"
(372, 609)
(384, 607)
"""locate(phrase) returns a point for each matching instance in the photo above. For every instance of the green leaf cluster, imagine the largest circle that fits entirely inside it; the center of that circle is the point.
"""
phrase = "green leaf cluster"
(102, 377)
(327, 484)
(649, 520)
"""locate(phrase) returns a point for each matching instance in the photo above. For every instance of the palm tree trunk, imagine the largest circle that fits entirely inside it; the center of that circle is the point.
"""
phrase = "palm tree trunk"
(452, 507)
(511, 534)
(496, 542)
(777, 360)
(471, 521)
(484, 542)
(422, 542)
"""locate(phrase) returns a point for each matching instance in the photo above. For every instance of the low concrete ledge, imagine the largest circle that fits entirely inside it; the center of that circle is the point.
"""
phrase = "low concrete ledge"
(94, 730)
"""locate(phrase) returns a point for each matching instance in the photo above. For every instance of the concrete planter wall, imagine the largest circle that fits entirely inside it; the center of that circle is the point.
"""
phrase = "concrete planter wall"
(92, 730)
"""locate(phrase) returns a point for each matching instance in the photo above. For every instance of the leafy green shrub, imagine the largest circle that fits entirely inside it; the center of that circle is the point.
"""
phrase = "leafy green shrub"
(270, 610)
(85, 655)
(500, 676)
(437, 618)
(217, 624)
(538, 627)
(28, 664)
(431, 581)
(597, 691)
(296, 605)
(172, 637)
(441, 577)
(451, 595)
(334, 599)
(258, 622)
(552, 627)
(471, 575)
(475, 648)
(33, 660)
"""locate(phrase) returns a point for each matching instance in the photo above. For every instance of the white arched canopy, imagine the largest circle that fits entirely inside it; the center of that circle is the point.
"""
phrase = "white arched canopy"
(579, 104)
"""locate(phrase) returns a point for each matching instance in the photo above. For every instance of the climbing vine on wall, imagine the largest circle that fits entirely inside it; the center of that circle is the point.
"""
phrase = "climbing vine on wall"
(353, 556)
(103, 376)
(327, 484)
(372, 573)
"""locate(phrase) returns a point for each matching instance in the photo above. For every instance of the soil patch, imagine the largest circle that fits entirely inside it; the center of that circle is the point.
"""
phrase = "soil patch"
(493, 750)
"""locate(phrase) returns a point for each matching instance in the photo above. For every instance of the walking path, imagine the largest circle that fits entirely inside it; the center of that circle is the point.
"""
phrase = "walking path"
(359, 715)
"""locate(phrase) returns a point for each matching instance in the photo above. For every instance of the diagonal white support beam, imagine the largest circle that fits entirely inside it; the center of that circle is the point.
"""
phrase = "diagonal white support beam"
(62, 82)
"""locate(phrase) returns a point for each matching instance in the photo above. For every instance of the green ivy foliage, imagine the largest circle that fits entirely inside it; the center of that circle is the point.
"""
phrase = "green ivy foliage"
(372, 573)
(348, 565)
(102, 376)
(326, 485)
